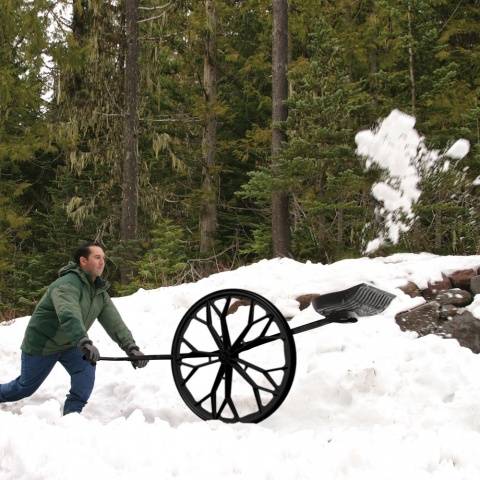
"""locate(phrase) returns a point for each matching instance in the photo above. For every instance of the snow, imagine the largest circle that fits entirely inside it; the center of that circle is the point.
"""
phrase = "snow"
(459, 149)
(368, 400)
(401, 153)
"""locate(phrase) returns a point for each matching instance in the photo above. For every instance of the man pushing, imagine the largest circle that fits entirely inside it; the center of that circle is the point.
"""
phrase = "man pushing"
(57, 331)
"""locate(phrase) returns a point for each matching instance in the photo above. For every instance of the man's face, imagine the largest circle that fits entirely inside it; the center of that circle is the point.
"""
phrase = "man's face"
(95, 263)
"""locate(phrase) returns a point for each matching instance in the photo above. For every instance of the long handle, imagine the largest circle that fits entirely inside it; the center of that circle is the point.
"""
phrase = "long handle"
(196, 354)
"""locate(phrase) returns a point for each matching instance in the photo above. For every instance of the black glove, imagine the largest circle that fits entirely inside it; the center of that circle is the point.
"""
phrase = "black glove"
(134, 351)
(89, 350)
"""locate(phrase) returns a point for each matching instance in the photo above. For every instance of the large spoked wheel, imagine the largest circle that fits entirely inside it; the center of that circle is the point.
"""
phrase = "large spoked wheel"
(233, 357)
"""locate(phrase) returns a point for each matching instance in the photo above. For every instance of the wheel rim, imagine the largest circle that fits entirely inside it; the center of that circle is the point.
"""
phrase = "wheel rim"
(233, 357)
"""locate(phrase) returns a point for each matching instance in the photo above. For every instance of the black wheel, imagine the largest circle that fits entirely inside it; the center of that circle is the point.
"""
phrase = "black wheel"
(233, 357)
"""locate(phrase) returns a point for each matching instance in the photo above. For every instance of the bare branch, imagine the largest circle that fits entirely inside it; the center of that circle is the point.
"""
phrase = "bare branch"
(164, 9)
(159, 7)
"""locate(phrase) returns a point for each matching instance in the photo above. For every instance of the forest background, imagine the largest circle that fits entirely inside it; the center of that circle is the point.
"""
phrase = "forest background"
(200, 132)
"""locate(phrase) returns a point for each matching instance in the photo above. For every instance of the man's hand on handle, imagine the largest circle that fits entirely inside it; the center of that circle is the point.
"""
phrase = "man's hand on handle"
(134, 351)
(89, 350)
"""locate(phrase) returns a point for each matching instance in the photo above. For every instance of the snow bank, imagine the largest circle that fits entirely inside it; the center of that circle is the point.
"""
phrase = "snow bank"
(368, 400)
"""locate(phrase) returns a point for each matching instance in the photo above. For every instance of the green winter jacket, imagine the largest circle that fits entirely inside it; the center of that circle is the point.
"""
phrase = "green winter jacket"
(68, 309)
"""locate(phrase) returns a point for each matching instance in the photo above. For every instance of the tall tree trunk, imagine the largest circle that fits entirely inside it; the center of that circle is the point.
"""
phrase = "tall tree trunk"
(280, 201)
(128, 227)
(208, 212)
(81, 24)
(411, 59)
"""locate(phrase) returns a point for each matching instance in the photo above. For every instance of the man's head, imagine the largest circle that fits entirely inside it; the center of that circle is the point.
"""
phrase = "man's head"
(90, 257)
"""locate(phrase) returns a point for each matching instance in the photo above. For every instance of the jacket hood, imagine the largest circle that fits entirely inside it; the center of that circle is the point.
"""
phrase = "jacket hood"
(72, 267)
(69, 267)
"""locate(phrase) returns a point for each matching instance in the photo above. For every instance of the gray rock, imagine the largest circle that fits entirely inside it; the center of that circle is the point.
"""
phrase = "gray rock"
(423, 319)
(461, 278)
(454, 296)
(411, 289)
(436, 287)
(475, 284)
(466, 329)
(306, 300)
(447, 312)
(236, 305)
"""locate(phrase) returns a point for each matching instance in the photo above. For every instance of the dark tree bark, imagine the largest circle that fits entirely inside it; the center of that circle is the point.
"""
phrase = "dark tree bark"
(128, 226)
(280, 200)
(411, 59)
(81, 25)
(208, 212)
(130, 160)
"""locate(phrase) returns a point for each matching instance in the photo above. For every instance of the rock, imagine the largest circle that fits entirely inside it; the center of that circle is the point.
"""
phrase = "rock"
(411, 289)
(306, 300)
(423, 319)
(454, 296)
(236, 305)
(466, 329)
(461, 278)
(475, 284)
(436, 287)
(447, 312)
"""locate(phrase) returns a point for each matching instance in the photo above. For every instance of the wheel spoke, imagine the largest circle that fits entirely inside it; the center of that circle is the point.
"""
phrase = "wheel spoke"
(211, 328)
(258, 399)
(228, 381)
(215, 386)
(263, 371)
(252, 382)
(189, 345)
(247, 328)
(189, 376)
(257, 342)
(234, 410)
(199, 402)
(195, 368)
(265, 329)
(200, 365)
(223, 321)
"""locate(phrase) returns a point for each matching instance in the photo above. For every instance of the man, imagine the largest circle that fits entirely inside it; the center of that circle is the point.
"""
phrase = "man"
(57, 331)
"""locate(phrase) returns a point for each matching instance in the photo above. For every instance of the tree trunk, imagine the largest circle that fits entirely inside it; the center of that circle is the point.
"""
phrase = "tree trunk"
(128, 227)
(208, 212)
(411, 59)
(280, 201)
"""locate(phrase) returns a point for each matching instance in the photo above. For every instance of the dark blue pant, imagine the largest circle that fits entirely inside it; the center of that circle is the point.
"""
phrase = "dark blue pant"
(35, 369)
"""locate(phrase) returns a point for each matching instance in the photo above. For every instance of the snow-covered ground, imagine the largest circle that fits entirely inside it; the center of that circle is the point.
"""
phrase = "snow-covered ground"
(368, 401)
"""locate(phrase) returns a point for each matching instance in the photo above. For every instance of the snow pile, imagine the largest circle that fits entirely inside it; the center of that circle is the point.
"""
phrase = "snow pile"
(397, 148)
(368, 401)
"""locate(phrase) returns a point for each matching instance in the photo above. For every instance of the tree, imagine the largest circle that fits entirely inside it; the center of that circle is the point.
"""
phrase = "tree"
(280, 211)
(24, 140)
(208, 210)
(129, 221)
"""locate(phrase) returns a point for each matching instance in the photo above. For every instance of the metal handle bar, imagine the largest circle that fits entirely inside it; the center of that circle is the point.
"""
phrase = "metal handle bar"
(161, 356)
(302, 328)
(241, 348)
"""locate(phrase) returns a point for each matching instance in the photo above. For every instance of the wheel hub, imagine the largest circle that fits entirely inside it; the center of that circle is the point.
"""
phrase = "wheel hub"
(228, 357)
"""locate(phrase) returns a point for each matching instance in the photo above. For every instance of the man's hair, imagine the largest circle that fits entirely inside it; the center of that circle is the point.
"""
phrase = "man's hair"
(84, 250)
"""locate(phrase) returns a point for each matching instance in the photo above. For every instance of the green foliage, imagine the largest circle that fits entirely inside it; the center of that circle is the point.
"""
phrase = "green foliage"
(350, 63)
(165, 257)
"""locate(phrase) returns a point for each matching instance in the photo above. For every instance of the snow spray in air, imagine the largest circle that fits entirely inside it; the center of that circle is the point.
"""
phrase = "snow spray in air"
(400, 151)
